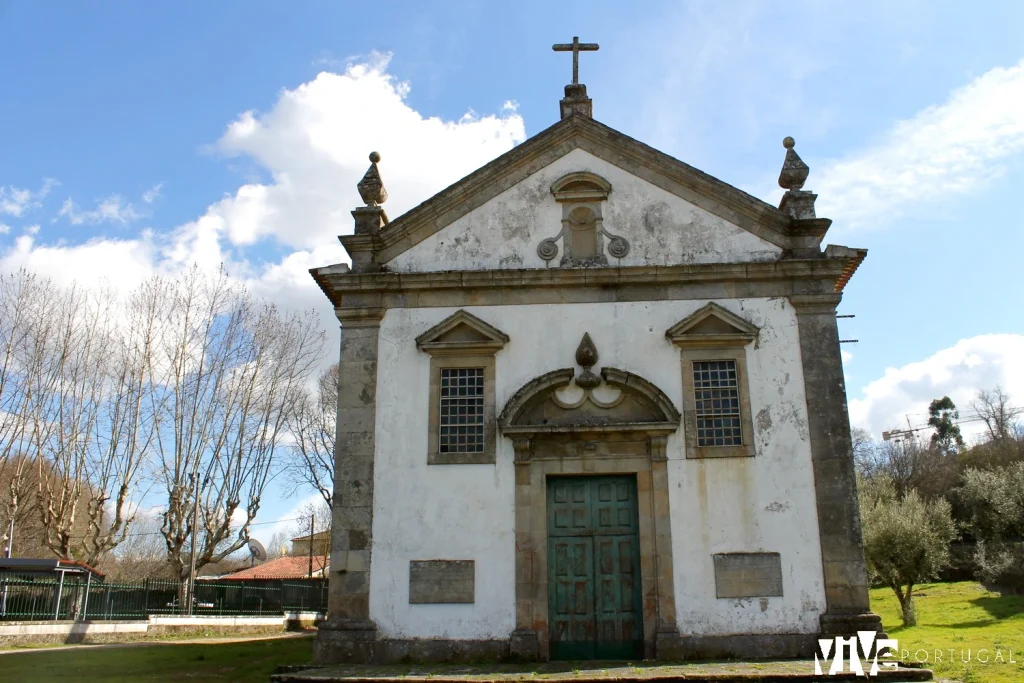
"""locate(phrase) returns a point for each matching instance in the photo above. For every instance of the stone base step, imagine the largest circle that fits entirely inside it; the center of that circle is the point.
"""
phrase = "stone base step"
(586, 672)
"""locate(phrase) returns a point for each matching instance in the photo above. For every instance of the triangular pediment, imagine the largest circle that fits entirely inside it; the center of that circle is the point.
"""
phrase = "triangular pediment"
(712, 325)
(460, 332)
(580, 132)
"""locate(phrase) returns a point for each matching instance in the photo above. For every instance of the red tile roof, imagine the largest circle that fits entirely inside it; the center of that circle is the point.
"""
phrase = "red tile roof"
(292, 567)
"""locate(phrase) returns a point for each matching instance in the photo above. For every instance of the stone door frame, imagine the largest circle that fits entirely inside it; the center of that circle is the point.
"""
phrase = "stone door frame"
(628, 452)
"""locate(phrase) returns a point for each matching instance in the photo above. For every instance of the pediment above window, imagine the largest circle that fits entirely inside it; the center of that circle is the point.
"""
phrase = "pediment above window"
(712, 326)
(462, 333)
(581, 187)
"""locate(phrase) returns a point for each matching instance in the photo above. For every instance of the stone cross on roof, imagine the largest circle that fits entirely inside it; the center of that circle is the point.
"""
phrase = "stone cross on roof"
(575, 47)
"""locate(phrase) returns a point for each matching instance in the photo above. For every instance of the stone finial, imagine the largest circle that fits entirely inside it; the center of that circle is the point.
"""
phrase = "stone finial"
(586, 356)
(794, 170)
(371, 187)
(576, 102)
(796, 203)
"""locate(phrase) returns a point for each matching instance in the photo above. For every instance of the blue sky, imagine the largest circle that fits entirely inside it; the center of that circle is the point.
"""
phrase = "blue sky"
(136, 137)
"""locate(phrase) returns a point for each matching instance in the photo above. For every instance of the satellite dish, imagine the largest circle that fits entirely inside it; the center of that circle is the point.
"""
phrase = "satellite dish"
(257, 550)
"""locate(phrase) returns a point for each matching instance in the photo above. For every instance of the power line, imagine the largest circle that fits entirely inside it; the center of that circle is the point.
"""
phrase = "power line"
(273, 521)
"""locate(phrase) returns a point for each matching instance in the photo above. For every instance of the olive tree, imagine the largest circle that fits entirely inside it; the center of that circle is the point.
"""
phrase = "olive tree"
(906, 539)
(994, 500)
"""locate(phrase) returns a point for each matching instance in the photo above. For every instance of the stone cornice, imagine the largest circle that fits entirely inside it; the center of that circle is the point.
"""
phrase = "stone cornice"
(815, 304)
(578, 132)
(358, 289)
(363, 316)
(853, 257)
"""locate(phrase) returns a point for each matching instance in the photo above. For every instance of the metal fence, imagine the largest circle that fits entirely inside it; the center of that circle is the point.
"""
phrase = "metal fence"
(31, 599)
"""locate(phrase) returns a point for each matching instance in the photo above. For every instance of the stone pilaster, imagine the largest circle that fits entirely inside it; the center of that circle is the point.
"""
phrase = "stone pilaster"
(667, 641)
(348, 634)
(848, 609)
(524, 643)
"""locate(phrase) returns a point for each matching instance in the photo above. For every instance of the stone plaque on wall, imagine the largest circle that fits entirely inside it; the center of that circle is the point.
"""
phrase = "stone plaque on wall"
(441, 581)
(748, 575)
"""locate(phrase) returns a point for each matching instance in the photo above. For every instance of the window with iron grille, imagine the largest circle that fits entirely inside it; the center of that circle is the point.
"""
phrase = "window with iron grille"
(461, 423)
(717, 403)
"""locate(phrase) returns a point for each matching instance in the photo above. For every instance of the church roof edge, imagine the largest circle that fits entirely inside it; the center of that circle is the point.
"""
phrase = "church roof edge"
(579, 131)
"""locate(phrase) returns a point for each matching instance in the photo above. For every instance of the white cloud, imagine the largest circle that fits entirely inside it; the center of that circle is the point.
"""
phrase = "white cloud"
(15, 201)
(958, 372)
(847, 356)
(113, 209)
(315, 141)
(153, 193)
(941, 151)
(88, 263)
(4, 229)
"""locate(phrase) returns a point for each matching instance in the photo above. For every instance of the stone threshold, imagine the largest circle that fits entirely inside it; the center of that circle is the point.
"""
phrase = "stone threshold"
(586, 672)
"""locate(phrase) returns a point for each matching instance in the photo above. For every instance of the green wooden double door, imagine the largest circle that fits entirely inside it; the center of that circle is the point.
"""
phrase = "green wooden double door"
(594, 588)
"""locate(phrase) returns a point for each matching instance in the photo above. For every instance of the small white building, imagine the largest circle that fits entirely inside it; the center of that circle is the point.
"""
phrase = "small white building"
(591, 406)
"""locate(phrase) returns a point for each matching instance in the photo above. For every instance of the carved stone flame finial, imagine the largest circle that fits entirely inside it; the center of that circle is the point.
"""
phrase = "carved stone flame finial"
(794, 170)
(371, 187)
(586, 356)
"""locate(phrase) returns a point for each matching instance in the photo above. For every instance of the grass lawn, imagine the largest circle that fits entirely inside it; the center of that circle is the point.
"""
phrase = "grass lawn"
(235, 662)
(965, 617)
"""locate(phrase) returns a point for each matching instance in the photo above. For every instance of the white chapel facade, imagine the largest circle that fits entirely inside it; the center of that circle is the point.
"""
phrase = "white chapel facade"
(591, 406)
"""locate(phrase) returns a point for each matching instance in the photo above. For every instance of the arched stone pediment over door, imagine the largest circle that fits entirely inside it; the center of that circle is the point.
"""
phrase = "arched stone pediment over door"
(639, 406)
(589, 424)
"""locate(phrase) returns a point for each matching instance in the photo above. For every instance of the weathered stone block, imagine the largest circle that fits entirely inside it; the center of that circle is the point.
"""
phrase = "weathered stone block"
(442, 581)
(359, 344)
(352, 518)
(748, 575)
(524, 645)
(358, 419)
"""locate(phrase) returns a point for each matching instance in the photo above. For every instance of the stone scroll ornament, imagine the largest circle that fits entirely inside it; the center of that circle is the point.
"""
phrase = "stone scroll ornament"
(617, 246)
(585, 242)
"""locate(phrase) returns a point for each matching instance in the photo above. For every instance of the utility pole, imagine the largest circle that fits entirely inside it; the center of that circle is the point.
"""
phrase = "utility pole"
(195, 536)
(10, 538)
(7, 552)
(312, 526)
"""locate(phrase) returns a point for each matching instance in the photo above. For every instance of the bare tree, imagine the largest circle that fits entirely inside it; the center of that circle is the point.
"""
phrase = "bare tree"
(18, 483)
(864, 450)
(64, 414)
(316, 517)
(22, 301)
(230, 370)
(278, 545)
(142, 554)
(313, 537)
(999, 415)
(312, 427)
(87, 424)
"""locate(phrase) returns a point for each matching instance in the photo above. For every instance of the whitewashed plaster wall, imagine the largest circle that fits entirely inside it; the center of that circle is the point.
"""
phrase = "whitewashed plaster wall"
(465, 512)
(662, 229)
